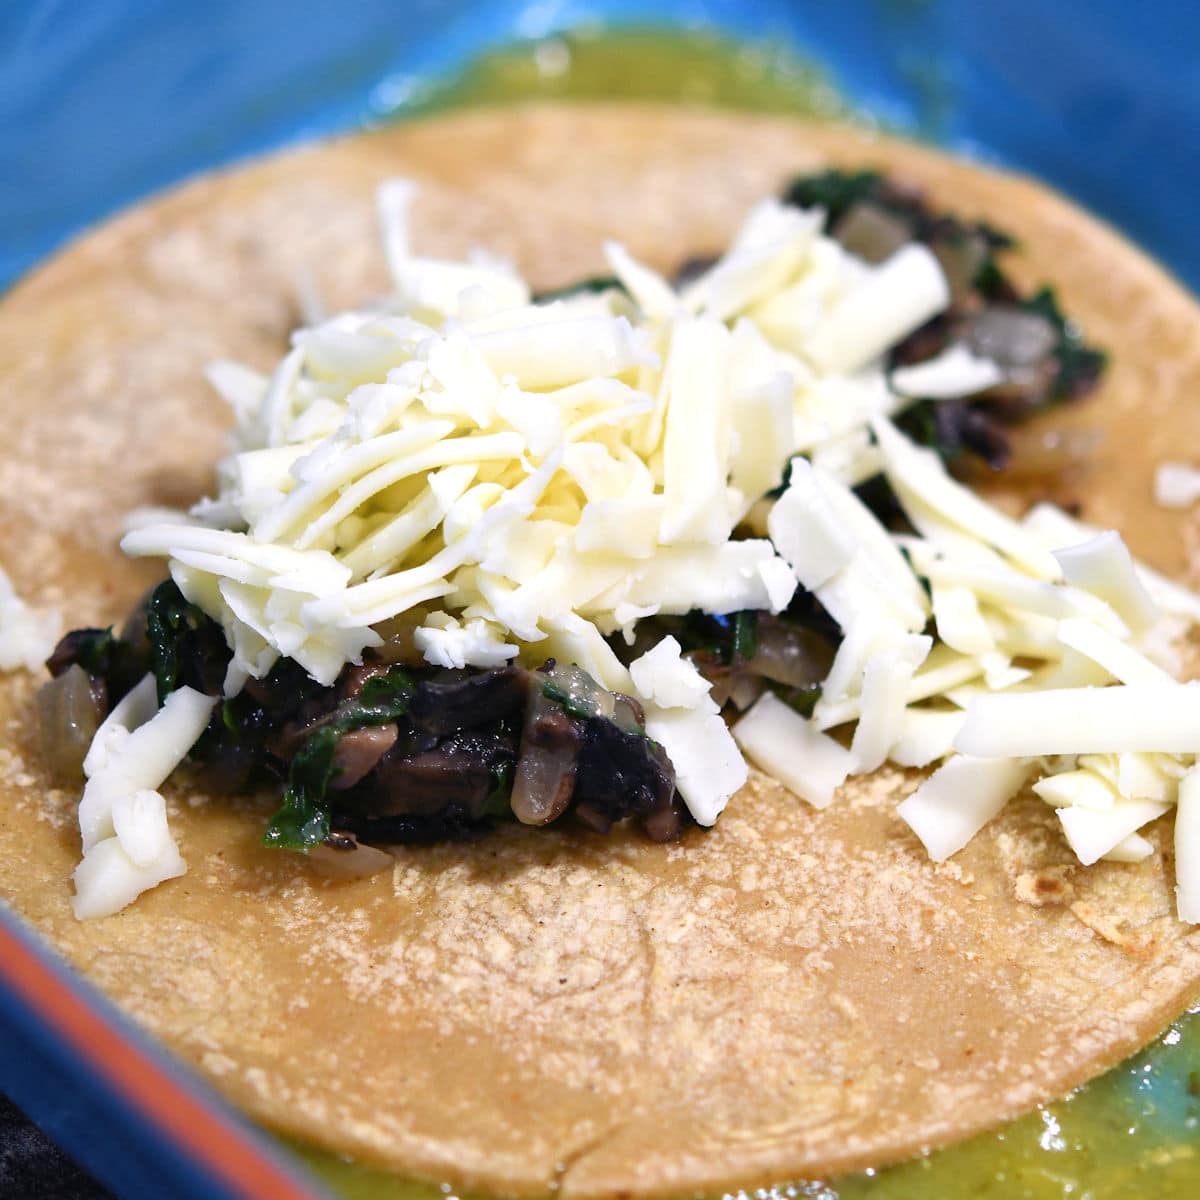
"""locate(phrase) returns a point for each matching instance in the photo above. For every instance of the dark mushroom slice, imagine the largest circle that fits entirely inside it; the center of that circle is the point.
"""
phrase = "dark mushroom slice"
(621, 773)
(463, 700)
(458, 773)
(452, 823)
(358, 752)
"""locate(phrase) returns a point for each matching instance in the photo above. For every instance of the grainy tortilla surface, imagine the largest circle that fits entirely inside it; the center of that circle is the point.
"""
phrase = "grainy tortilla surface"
(791, 994)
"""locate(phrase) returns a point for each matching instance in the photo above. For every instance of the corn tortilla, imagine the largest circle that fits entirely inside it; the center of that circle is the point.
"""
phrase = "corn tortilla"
(793, 994)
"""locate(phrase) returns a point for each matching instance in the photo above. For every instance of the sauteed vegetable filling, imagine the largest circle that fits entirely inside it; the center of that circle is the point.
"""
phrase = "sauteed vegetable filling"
(477, 555)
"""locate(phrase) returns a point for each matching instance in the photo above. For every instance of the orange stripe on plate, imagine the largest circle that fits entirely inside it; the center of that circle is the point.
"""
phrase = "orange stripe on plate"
(206, 1137)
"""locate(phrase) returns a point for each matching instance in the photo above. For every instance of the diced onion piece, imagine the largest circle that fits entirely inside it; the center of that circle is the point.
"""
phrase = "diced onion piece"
(1187, 848)
(1111, 720)
(895, 298)
(545, 777)
(708, 767)
(789, 654)
(67, 722)
(959, 799)
(1093, 832)
(793, 751)
(351, 861)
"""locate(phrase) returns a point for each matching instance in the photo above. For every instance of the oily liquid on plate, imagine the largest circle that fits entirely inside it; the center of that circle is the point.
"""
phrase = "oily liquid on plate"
(1134, 1132)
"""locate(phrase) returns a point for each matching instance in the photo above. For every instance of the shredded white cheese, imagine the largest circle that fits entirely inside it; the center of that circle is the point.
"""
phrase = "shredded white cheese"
(534, 478)
(793, 751)
(959, 799)
(953, 373)
(1187, 848)
(127, 847)
(27, 635)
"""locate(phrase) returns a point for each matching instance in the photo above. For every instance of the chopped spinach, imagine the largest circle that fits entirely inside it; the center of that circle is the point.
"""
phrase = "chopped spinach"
(744, 641)
(103, 656)
(1079, 365)
(571, 703)
(803, 700)
(835, 191)
(498, 803)
(187, 647)
(303, 820)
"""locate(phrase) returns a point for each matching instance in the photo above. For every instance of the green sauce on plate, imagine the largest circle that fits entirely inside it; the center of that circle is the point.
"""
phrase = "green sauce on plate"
(1135, 1132)
(678, 67)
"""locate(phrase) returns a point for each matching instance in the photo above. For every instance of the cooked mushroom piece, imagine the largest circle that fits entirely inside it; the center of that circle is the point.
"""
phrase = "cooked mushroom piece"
(461, 700)
(458, 773)
(358, 752)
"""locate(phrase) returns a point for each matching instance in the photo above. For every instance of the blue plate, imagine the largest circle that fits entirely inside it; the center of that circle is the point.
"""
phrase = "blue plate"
(103, 103)
(136, 1118)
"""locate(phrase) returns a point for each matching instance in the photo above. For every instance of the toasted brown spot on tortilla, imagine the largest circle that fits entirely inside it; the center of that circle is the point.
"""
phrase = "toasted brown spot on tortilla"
(793, 993)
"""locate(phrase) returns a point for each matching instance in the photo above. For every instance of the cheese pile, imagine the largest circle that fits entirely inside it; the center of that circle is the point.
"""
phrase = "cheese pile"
(1050, 661)
(521, 478)
(529, 478)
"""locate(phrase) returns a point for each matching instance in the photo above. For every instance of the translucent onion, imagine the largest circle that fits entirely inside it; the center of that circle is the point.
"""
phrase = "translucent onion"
(871, 232)
(343, 856)
(789, 654)
(1010, 337)
(961, 260)
(68, 717)
(545, 775)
